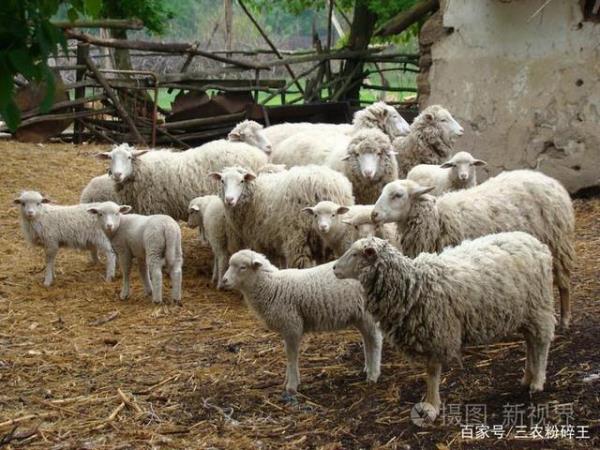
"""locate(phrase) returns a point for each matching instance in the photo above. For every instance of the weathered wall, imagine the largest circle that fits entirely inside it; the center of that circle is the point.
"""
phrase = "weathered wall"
(527, 93)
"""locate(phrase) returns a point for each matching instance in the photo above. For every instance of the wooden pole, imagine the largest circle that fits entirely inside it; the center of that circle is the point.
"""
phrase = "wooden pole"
(83, 51)
(103, 23)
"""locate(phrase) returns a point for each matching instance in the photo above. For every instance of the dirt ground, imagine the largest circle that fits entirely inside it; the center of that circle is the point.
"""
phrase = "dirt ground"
(80, 369)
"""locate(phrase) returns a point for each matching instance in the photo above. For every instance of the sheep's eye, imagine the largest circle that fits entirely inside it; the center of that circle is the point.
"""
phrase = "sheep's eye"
(443, 120)
(333, 215)
(398, 195)
(356, 227)
(242, 268)
(130, 158)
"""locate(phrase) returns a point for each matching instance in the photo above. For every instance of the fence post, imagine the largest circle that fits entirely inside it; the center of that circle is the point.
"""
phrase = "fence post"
(83, 51)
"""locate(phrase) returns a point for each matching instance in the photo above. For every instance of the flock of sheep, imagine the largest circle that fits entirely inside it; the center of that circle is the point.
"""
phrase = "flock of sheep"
(377, 224)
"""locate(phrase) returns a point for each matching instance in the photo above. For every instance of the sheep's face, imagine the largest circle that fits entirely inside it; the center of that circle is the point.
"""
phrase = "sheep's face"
(463, 167)
(108, 216)
(394, 203)
(394, 124)
(31, 204)
(325, 215)
(233, 183)
(121, 159)
(251, 133)
(441, 118)
(365, 228)
(368, 152)
(194, 216)
(359, 256)
(243, 268)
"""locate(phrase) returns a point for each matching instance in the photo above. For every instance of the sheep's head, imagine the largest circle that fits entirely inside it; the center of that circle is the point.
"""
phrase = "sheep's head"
(325, 215)
(439, 120)
(463, 168)
(362, 254)
(234, 182)
(384, 117)
(31, 204)
(195, 211)
(395, 201)
(108, 216)
(251, 133)
(363, 224)
(368, 153)
(243, 269)
(122, 159)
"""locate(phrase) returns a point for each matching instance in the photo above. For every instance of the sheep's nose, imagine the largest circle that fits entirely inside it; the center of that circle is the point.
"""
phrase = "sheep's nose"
(369, 173)
(109, 227)
(268, 149)
(117, 176)
(463, 176)
(461, 130)
(324, 227)
(374, 216)
(230, 200)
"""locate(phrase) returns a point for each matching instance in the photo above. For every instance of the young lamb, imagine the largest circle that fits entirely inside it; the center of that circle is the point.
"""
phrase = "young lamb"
(153, 240)
(476, 293)
(520, 200)
(315, 146)
(164, 182)
(263, 212)
(293, 302)
(54, 226)
(208, 214)
(252, 133)
(339, 226)
(430, 140)
(99, 189)
(459, 172)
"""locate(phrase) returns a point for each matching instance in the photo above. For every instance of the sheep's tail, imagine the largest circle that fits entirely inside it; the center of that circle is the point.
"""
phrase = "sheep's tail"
(172, 245)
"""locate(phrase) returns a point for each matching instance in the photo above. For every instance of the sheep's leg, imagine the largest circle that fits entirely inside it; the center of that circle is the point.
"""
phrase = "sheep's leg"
(156, 279)
(175, 275)
(372, 343)
(541, 349)
(94, 256)
(434, 373)
(125, 263)
(292, 346)
(50, 261)
(565, 305)
(215, 271)
(221, 266)
(529, 361)
(145, 276)
(111, 263)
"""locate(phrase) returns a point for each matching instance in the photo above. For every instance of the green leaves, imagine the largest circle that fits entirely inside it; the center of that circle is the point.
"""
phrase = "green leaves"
(93, 7)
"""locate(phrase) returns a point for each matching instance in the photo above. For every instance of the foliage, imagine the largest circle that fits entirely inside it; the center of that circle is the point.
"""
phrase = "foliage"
(154, 13)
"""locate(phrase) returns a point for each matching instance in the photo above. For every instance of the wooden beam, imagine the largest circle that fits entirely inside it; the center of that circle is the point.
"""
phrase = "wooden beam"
(103, 23)
(405, 19)
(182, 124)
(343, 54)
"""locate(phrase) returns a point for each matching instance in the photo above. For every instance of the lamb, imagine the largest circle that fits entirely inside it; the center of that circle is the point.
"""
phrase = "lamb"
(164, 182)
(208, 214)
(430, 140)
(459, 172)
(252, 133)
(99, 189)
(55, 226)
(315, 146)
(339, 226)
(152, 240)
(293, 302)
(520, 200)
(263, 212)
(476, 293)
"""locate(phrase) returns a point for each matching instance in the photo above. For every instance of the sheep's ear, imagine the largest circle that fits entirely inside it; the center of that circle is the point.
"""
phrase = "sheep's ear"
(45, 200)
(256, 265)
(369, 252)
(234, 136)
(249, 176)
(346, 158)
(308, 210)
(138, 153)
(125, 209)
(421, 190)
(17, 201)
(479, 163)
(195, 208)
(428, 117)
(103, 155)
(343, 210)
(391, 152)
(447, 165)
(215, 176)
(92, 211)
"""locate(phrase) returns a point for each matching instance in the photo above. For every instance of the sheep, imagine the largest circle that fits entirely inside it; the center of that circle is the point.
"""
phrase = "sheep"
(476, 293)
(280, 132)
(55, 226)
(293, 302)
(315, 146)
(339, 226)
(252, 133)
(164, 182)
(520, 200)
(208, 214)
(153, 240)
(99, 189)
(459, 172)
(263, 212)
(430, 140)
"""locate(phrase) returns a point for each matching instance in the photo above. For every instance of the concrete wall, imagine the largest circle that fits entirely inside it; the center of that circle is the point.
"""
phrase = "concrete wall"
(526, 91)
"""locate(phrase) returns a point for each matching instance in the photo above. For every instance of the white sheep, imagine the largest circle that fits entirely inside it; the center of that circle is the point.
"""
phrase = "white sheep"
(520, 200)
(153, 240)
(55, 226)
(430, 140)
(99, 189)
(252, 133)
(293, 302)
(280, 132)
(263, 212)
(483, 290)
(459, 172)
(208, 214)
(164, 182)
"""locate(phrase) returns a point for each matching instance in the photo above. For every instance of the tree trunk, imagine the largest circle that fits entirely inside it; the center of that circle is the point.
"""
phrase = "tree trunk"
(361, 30)
(121, 55)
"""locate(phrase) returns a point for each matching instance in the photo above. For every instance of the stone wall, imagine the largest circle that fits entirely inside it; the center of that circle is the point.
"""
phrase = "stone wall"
(526, 90)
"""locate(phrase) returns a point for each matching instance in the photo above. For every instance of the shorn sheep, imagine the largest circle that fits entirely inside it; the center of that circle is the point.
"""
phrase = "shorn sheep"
(55, 226)
(208, 214)
(294, 302)
(459, 172)
(263, 213)
(252, 133)
(520, 200)
(153, 240)
(473, 294)
(164, 182)
(430, 140)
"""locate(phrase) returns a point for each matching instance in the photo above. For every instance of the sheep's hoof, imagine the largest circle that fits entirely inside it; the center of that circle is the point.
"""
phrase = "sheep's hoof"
(289, 398)
(124, 295)
(564, 323)
(536, 387)
(48, 283)
(372, 378)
